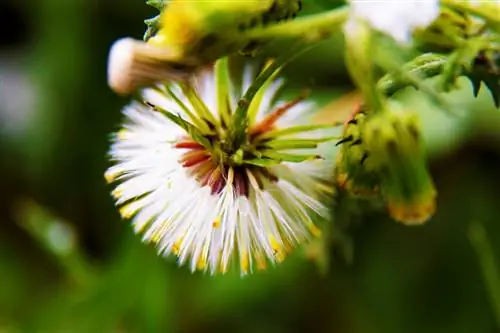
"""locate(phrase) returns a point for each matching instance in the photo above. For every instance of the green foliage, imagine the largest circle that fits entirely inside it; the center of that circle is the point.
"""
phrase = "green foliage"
(402, 280)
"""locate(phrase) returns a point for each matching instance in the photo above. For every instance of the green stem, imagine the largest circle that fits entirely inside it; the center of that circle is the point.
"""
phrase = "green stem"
(424, 67)
(57, 238)
(490, 15)
(312, 27)
(479, 240)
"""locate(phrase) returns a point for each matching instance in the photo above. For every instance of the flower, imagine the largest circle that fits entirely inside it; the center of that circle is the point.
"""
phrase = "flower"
(396, 18)
(193, 192)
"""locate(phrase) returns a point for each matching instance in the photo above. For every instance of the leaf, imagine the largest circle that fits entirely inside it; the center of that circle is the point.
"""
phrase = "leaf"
(490, 80)
(486, 71)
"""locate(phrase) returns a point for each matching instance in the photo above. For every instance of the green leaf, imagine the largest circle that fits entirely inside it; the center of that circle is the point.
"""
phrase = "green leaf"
(460, 60)
(490, 80)
(192, 130)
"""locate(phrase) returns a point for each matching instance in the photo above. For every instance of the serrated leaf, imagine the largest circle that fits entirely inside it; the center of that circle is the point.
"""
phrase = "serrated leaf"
(490, 80)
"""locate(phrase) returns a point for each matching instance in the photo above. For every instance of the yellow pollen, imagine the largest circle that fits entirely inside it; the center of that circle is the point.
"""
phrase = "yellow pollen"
(156, 235)
(275, 245)
(117, 193)
(244, 262)
(261, 262)
(127, 211)
(176, 247)
(279, 252)
(123, 134)
(110, 176)
(202, 260)
(315, 231)
(216, 222)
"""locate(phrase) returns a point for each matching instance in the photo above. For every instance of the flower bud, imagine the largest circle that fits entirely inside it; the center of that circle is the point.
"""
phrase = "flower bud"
(355, 171)
(393, 139)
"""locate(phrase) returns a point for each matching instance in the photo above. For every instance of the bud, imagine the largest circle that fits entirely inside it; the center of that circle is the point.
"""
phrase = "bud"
(393, 140)
(133, 63)
(191, 34)
(355, 171)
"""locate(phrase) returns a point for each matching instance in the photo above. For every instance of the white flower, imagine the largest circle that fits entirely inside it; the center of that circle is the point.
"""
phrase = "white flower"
(207, 204)
(396, 18)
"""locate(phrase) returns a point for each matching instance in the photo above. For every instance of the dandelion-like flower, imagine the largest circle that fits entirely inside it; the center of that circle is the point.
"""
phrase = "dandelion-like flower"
(196, 188)
(396, 18)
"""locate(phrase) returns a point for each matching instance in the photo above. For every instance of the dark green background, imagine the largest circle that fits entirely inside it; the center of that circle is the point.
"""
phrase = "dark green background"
(52, 160)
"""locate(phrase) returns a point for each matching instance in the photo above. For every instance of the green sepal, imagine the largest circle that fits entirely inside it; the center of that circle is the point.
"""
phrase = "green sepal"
(192, 130)
(295, 158)
(296, 143)
(293, 130)
(158, 4)
(262, 162)
(153, 23)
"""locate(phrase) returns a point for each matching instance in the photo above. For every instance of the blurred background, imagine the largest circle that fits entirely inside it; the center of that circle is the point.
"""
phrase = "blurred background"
(69, 264)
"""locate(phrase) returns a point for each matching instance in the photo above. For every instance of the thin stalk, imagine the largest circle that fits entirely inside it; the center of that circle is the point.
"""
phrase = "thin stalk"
(313, 27)
(479, 241)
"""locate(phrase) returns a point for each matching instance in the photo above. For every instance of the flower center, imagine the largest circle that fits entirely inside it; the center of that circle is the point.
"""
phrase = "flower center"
(221, 166)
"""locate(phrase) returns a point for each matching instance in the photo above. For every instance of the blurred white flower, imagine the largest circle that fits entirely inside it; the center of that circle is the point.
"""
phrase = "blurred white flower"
(209, 203)
(396, 18)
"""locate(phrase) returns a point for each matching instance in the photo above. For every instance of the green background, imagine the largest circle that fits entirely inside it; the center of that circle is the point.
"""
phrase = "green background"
(69, 264)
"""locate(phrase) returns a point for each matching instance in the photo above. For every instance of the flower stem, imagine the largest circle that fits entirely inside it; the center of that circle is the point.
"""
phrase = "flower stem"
(313, 27)
(479, 240)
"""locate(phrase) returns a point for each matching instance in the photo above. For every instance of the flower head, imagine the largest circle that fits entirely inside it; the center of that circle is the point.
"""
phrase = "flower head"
(195, 191)
(396, 18)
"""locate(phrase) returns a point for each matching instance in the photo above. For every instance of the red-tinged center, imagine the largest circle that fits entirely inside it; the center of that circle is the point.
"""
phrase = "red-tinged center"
(215, 172)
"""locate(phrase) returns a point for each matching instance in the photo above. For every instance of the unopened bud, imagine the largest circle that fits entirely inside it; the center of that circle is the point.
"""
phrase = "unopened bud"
(393, 140)
(133, 63)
